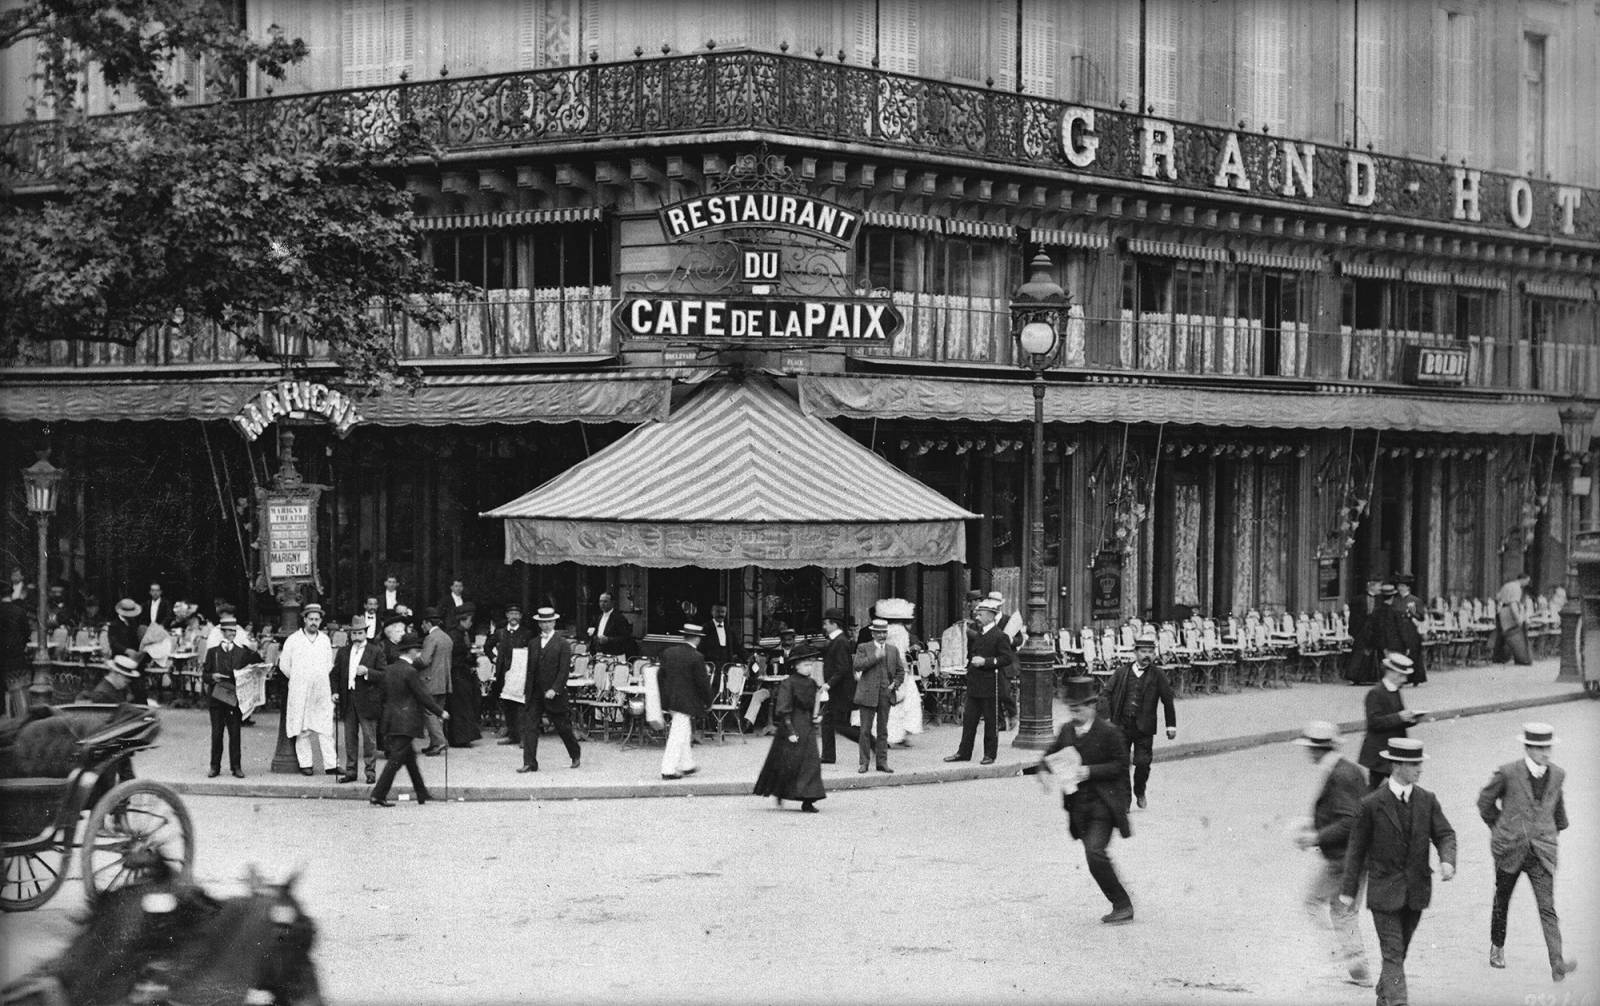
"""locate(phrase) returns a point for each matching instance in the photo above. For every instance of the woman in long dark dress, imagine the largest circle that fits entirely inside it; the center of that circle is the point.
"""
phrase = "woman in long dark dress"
(793, 769)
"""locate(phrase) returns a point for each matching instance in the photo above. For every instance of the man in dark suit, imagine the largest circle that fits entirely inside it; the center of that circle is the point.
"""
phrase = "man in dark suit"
(434, 669)
(404, 699)
(157, 610)
(1389, 843)
(881, 670)
(549, 660)
(15, 662)
(356, 683)
(1343, 786)
(507, 639)
(612, 633)
(392, 599)
(1101, 800)
(1526, 812)
(451, 605)
(1134, 693)
(989, 655)
(217, 681)
(685, 685)
(838, 674)
(721, 643)
(1387, 716)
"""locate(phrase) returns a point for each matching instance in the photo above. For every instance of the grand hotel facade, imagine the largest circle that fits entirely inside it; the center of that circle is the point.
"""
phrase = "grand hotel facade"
(1327, 299)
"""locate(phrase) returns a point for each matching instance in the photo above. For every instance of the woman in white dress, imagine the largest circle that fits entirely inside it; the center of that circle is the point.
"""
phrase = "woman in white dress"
(905, 716)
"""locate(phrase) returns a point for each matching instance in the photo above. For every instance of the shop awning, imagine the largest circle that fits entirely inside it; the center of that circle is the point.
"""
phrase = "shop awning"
(737, 477)
(867, 397)
(443, 400)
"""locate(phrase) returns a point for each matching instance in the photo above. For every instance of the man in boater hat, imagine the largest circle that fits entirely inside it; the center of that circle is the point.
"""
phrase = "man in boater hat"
(1525, 810)
(1387, 716)
(1389, 843)
(1341, 787)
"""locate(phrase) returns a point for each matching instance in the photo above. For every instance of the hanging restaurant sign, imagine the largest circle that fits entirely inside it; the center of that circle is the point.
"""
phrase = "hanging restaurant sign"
(758, 321)
(296, 400)
(803, 214)
(1434, 365)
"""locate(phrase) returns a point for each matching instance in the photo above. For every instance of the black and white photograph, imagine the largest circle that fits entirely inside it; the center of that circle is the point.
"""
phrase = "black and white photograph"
(837, 502)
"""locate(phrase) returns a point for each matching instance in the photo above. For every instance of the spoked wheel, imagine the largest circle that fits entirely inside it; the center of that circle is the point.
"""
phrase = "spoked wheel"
(29, 879)
(138, 831)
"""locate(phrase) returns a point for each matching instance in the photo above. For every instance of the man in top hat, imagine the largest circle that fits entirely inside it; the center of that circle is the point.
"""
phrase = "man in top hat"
(1387, 716)
(1389, 843)
(1101, 800)
(222, 662)
(307, 660)
(121, 671)
(879, 669)
(1328, 831)
(357, 688)
(1134, 691)
(510, 637)
(433, 667)
(989, 657)
(549, 661)
(1413, 616)
(1525, 810)
(685, 684)
(838, 677)
(465, 688)
(404, 699)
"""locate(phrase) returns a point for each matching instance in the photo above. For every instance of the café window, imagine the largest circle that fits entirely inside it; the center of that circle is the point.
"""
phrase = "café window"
(953, 292)
(1559, 343)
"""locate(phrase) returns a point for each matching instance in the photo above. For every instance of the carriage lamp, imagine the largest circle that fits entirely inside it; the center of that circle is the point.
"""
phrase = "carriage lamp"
(1038, 312)
(40, 481)
(1577, 427)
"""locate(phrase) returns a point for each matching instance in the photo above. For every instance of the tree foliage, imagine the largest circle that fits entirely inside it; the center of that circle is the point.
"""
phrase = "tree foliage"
(175, 214)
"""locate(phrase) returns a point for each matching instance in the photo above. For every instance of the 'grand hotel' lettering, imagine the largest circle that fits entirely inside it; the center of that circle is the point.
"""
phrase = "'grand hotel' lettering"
(1282, 168)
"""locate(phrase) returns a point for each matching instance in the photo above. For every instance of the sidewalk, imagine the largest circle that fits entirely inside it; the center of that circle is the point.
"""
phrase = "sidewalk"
(1209, 724)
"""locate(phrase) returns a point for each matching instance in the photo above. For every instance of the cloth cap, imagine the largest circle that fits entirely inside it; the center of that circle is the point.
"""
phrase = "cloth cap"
(409, 641)
(125, 665)
(311, 609)
(393, 617)
(545, 615)
(466, 608)
(1319, 734)
(1146, 641)
(513, 608)
(1398, 662)
(1538, 735)
(128, 607)
(1081, 691)
(1403, 749)
(691, 629)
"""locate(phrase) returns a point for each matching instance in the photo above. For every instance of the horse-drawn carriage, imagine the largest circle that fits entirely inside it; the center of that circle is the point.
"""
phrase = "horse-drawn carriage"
(66, 786)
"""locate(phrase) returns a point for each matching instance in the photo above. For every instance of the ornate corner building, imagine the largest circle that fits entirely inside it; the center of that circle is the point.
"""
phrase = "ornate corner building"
(1332, 268)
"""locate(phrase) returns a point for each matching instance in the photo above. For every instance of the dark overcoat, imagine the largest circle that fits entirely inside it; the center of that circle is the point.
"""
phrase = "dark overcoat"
(1104, 752)
(1383, 722)
(1397, 869)
(404, 699)
(684, 680)
(995, 647)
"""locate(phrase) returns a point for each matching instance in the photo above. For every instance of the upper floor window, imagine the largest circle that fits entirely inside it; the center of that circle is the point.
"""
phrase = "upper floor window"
(1367, 74)
(378, 41)
(1533, 103)
(1269, 67)
(547, 258)
(1456, 97)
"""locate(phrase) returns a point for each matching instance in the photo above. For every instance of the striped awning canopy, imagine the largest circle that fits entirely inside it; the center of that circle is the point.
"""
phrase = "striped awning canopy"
(737, 477)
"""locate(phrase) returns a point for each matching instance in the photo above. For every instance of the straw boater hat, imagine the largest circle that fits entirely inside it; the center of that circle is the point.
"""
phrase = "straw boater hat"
(989, 604)
(1398, 662)
(1403, 749)
(1538, 735)
(128, 607)
(124, 665)
(311, 609)
(545, 615)
(1319, 734)
(1387, 589)
(880, 625)
(230, 622)
(691, 629)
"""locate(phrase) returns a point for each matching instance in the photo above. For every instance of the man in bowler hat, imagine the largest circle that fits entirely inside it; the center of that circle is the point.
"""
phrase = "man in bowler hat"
(1525, 810)
(1135, 690)
(404, 699)
(838, 674)
(1102, 797)
(1389, 844)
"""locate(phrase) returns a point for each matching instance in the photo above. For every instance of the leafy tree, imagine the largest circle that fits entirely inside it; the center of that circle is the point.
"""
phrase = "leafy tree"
(178, 214)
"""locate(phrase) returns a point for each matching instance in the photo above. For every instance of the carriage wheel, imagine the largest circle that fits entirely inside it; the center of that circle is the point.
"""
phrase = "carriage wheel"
(139, 830)
(29, 879)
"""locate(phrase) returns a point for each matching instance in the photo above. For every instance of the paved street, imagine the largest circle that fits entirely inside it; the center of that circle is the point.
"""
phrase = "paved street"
(968, 891)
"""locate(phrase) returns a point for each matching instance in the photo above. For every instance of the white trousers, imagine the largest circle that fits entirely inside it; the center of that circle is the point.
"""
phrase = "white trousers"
(678, 758)
(302, 749)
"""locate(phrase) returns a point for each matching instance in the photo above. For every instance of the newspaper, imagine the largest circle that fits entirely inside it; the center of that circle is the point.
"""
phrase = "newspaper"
(1058, 773)
(516, 683)
(250, 685)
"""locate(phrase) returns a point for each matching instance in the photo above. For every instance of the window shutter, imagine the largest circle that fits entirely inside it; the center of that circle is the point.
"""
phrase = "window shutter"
(898, 38)
(862, 35)
(1041, 47)
(1372, 92)
(1161, 57)
(1269, 41)
(589, 37)
(1455, 102)
(378, 41)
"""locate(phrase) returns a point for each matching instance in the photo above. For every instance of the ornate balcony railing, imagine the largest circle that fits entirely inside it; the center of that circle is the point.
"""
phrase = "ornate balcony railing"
(747, 90)
(556, 321)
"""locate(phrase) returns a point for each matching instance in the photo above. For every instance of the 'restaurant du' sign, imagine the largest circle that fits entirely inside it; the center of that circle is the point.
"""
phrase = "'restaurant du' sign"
(758, 320)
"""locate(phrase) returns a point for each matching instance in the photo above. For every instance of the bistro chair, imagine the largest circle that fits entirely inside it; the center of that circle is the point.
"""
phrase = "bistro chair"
(726, 703)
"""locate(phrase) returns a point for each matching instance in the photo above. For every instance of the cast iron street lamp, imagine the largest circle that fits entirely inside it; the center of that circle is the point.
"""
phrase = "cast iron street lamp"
(1038, 312)
(41, 479)
(1577, 424)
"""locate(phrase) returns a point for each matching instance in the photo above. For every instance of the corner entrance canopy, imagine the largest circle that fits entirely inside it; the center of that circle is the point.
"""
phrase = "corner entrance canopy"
(738, 477)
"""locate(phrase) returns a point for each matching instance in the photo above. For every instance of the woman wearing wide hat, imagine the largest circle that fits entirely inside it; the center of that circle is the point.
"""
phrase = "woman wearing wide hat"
(793, 769)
